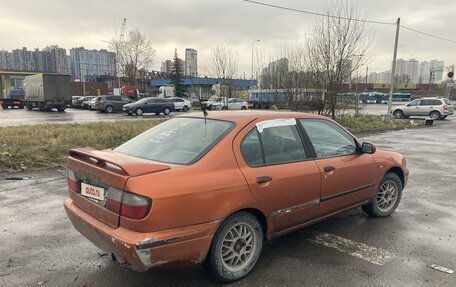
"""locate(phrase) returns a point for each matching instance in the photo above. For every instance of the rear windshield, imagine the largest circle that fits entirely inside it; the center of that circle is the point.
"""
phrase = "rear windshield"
(447, 101)
(177, 141)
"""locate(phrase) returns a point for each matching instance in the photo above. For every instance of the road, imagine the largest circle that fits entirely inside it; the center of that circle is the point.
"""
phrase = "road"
(39, 246)
(14, 117)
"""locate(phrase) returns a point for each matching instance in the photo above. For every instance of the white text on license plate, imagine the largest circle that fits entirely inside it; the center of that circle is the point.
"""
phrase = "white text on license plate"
(92, 191)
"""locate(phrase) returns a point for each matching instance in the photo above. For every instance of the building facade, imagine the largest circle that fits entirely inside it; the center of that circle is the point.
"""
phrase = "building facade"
(86, 64)
(191, 62)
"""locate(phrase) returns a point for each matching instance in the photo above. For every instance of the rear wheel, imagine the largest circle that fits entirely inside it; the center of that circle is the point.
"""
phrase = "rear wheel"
(236, 247)
(61, 109)
(167, 111)
(4, 107)
(109, 109)
(244, 108)
(435, 115)
(225, 108)
(398, 114)
(185, 109)
(139, 111)
(387, 197)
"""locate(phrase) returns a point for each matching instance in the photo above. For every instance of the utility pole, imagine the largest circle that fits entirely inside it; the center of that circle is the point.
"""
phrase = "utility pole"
(393, 68)
(251, 82)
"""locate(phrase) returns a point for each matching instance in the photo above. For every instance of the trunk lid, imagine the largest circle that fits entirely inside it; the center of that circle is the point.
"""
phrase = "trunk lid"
(96, 176)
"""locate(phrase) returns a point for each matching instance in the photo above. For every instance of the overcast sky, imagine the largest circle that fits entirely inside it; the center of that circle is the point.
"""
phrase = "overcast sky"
(201, 24)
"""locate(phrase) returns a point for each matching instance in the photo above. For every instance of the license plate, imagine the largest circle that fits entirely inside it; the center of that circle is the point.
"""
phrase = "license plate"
(92, 191)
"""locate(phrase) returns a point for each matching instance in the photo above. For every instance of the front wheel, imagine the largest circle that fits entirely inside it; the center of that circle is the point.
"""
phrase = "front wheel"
(387, 197)
(139, 111)
(398, 114)
(236, 247)
(167, 111)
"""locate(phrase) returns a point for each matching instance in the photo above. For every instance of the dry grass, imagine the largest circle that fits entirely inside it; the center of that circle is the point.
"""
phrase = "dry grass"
(40, 147)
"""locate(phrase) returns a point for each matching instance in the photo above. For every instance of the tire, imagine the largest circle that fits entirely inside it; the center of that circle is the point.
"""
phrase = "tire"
(167, 111)
(224, 108)
(61, 109)
(209, 108)
(256, 106)
(229, 270)
(139, 111)
(185, 109)
(435, 115)
(28, 106)
(244, 108)
(109, 109)
(443, 117)
(390, 186)
(398, 114)
(4, 107)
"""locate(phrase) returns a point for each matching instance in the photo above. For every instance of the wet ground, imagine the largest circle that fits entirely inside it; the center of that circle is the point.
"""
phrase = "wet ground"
(14, 117)
(39, 246)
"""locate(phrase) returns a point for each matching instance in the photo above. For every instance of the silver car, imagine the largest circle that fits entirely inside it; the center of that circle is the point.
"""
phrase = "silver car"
(435, 108)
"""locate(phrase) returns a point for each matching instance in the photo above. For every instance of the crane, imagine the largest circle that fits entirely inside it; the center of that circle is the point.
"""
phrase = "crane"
(122, 31)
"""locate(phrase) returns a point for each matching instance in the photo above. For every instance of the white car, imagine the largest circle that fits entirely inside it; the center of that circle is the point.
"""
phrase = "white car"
(181, 104)
(237, 104)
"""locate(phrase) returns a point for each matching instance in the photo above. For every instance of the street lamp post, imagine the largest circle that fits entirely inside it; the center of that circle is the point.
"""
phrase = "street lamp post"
(251, 82)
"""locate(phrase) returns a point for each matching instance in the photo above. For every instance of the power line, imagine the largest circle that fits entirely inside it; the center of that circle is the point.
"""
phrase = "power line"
(317, 14)
(345, 18)
(429, 35)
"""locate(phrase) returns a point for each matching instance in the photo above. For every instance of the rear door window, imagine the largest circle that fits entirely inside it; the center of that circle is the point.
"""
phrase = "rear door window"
(436, 102)
(427, 102)
(274, 145)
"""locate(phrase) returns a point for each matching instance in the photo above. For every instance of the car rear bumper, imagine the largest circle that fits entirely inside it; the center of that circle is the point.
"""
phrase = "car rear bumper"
(142, 251)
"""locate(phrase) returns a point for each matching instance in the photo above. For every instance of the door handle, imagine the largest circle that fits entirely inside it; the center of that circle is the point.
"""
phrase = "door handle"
(329, 168)
(263, 179)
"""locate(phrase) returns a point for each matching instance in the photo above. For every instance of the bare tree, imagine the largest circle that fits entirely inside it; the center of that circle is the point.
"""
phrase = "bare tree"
(336, 46)
(133, 53)
(224, 62)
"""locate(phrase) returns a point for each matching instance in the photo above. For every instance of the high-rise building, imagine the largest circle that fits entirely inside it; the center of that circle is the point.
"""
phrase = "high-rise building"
(86, 64)
(191, 62)
(167, 66)
(6, 60)
(23, 60)
(407, 71)
(59, 58)
(44, 61)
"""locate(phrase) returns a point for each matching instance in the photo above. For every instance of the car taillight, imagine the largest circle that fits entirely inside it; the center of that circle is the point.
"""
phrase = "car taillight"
(73, 183)
(127, 204)
(114, 200)
(1, 102)
(16, 103)
(445, 107)
(134, 206)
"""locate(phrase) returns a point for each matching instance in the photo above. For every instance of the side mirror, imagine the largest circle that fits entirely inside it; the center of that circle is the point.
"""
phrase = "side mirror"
(368, 148)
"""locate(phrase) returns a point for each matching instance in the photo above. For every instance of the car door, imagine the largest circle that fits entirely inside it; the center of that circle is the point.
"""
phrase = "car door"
(178, 103)
(280, 173)
(412, 108)
(348, 177)
(150, 106)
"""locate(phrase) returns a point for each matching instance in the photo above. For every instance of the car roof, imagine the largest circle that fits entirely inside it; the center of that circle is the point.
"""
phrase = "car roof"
(244, 117)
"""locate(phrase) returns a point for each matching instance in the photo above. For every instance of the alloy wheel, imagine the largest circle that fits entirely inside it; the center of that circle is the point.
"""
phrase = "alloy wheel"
(387, 196)
(238, 246)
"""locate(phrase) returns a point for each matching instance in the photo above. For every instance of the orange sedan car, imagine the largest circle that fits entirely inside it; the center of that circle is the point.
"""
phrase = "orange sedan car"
(212, 189)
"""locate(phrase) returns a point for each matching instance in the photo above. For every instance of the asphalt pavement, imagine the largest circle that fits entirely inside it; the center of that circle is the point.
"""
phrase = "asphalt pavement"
(40, 247)
(14, 117)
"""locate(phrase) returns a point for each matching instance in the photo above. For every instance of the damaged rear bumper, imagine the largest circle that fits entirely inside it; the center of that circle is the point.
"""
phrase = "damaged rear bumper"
(142, 251)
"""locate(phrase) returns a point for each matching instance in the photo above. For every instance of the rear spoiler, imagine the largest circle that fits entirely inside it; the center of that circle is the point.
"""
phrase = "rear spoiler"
(117, 162)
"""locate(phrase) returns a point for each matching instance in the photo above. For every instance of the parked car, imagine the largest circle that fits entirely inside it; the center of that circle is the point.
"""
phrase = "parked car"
(89, 105)
(213, 188)
(435, 108)
(181, 104)
(74, 103)
(79, 103)
(150, 105)
(110, 103)
(214, 103)
(236, 104)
